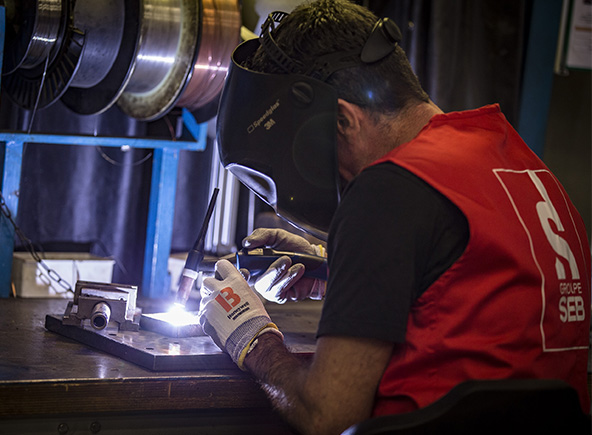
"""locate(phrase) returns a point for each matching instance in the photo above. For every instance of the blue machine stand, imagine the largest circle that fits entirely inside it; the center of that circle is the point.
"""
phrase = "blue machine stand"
(155, 281)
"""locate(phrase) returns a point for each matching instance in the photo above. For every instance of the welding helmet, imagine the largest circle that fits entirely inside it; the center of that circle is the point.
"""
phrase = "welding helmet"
(277, 133)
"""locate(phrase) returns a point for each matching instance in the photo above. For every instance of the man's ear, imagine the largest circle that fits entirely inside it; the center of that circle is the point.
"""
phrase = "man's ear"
(348, 118)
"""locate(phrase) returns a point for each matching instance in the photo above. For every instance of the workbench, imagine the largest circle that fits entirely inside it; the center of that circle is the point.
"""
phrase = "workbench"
(55, 385)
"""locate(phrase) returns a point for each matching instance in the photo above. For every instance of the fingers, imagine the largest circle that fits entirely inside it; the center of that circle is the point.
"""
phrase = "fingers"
(224, 268)
(260, 237)
(245, 273)
(266, 282)
(299, 290)
(277, 238)
(224, 271)
(275, 290)
(289, 279)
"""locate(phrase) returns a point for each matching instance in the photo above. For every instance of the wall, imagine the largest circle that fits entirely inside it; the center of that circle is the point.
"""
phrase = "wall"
(568, 139)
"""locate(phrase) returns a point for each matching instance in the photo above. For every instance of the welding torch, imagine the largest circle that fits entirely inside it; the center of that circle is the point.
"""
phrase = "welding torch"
(195, 257)
(258, 260)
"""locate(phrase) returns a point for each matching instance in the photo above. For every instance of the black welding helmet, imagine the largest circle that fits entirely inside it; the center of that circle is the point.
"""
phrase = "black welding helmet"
(277, 132)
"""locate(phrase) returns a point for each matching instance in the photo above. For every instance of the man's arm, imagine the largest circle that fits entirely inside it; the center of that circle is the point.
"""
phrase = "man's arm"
(326, 396)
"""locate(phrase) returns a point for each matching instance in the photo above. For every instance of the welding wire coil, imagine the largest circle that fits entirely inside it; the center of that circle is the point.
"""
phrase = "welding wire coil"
(165, 55)
(220, 34)
(108, 55)
(32, 32)
(41, 84)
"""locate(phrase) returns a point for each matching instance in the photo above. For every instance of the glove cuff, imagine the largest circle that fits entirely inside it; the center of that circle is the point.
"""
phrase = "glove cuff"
(270, 327)
(319, 250)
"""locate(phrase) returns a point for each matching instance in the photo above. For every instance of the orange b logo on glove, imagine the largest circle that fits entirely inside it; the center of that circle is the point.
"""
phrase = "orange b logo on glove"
(228, 299)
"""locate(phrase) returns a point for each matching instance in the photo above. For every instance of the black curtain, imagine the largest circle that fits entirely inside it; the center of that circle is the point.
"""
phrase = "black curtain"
(466, 53)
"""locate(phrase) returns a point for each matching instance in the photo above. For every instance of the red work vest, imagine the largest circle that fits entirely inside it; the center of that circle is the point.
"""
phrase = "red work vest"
(516, 304)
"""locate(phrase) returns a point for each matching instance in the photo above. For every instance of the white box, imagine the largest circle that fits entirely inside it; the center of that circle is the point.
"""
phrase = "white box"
(31, 280)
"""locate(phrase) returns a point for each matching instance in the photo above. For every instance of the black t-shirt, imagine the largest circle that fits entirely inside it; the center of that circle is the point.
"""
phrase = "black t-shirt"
(392, 236)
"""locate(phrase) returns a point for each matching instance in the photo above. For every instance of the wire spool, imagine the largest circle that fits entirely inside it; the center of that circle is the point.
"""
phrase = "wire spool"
(220, 34)
(32, 32)
(166, 53)
(44, 67)
(112, 32)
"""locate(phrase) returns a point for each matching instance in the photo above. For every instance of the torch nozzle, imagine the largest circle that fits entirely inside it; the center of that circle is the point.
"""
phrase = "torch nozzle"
(185, 286)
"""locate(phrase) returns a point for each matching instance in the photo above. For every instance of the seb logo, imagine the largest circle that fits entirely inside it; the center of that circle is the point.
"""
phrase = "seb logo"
(228, 299)
(571, 303)
(557, 251)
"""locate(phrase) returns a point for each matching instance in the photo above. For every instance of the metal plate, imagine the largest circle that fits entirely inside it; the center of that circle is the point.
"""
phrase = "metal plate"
(158, 352)
(157, 323)
(148, 349)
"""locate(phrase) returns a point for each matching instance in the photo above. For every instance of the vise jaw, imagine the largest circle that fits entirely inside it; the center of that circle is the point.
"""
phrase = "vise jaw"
(96, 304)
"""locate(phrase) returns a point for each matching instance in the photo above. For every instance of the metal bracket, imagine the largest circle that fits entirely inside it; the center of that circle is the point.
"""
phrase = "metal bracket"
(96, 304)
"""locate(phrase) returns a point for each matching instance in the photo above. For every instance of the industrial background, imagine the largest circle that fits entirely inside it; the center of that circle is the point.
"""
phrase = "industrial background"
(97, 198)
(108, 162)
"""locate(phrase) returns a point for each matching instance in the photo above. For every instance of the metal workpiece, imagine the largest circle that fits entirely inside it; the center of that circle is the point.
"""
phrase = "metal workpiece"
(171, 324)
(96, 304)
(162, 345)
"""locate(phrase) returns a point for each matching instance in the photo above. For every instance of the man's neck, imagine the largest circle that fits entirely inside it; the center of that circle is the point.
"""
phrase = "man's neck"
(406, 125)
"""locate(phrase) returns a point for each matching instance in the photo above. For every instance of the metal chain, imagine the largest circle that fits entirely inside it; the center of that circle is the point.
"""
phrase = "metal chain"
(31, 249)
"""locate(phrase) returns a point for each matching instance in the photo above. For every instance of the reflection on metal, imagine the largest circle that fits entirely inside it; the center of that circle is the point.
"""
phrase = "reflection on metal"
(221, 234)
(146, 55)
(169, 31)
(100, 316)
(96, 304)
(111, 29)
(220, 34)
(179, 323)
(41, 68)
(33, 34)
(102, 24)
(148, 349)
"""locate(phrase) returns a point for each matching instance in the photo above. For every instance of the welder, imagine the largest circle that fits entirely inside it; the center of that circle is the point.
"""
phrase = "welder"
(448, 239)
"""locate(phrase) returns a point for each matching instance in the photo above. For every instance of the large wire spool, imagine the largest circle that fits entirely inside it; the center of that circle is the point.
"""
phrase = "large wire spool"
(32, 30)
(220, 34)
(43, 50)
(164, 58)
(112, 31)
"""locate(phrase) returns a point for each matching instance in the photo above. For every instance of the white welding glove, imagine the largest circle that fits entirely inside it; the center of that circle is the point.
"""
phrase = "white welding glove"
(232, 313)
(284, 281)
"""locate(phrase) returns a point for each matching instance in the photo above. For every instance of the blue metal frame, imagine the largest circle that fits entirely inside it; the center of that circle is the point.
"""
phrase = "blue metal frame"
(155, 281)
(161, 205)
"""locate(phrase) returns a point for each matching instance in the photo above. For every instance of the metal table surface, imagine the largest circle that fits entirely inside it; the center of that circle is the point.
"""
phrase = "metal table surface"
(46, 374)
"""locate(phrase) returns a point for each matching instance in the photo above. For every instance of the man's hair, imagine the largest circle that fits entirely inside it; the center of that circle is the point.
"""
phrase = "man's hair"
(328, 26)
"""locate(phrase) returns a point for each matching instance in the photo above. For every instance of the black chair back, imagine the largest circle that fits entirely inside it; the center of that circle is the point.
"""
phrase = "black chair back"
(483, 407)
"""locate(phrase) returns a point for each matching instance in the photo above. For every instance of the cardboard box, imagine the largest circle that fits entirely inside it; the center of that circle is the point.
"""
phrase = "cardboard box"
(31, 280)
